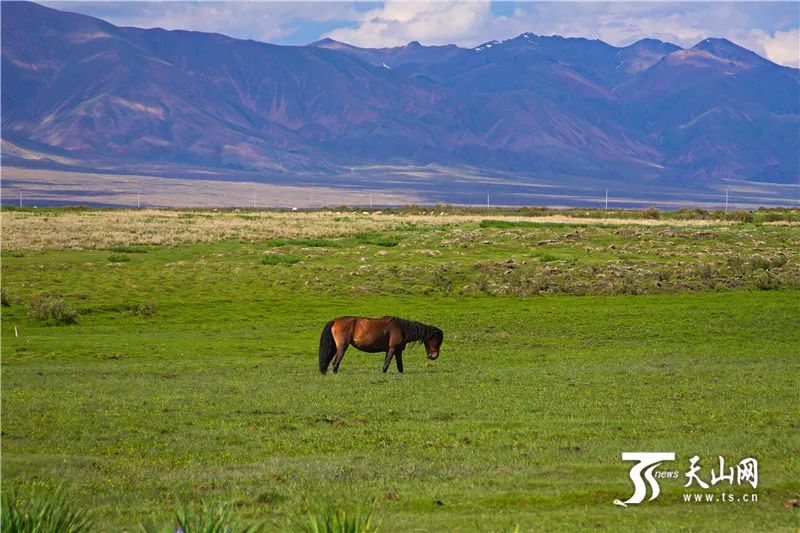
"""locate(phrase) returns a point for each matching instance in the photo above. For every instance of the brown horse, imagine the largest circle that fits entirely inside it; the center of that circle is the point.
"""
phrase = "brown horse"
(388, 334)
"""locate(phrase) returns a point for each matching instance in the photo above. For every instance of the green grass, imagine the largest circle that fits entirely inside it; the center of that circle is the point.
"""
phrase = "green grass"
(308, 243)
(492, 223)
(377, 239)
(215, 400)
(279, 259)
(130, 249)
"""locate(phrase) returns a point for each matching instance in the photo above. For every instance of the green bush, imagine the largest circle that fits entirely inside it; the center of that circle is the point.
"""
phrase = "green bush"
(652, 212)
(740, 216)
(758, 262)
(206, 520)
(5, 301)
(778, 261)
(738, 264)
(117, 258)
(144, 310)
(766, 281)
(691, 214)
(51, 310)
(42, 513)
(276, 259)
(337, 521)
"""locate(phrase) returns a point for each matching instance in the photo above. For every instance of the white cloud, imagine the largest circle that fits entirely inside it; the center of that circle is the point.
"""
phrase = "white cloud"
(397, 23)
(782, 47)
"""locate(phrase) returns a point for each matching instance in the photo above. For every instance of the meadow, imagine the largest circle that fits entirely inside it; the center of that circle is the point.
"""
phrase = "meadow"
(168, 358)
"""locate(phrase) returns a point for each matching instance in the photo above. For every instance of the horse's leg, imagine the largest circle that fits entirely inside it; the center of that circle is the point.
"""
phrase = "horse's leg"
(337, 360)
(388, 358)
(398, 358)
(342, 338)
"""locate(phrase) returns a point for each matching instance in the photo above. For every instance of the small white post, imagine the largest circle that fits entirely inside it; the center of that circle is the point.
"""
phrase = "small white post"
(606, 199)
(138, 200)
(254, 199)
(16, 331)
(726, 200)
(20, 198)
(370, 200)
(487, 202)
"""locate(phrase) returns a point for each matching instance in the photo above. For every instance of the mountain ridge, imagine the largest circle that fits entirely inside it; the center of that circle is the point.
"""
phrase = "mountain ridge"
(567, 110)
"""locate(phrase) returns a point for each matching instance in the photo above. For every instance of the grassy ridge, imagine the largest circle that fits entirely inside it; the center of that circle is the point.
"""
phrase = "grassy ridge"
(190, 377)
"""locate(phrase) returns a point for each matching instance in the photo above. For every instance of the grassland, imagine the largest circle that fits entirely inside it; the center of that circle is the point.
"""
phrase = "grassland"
(189, 375)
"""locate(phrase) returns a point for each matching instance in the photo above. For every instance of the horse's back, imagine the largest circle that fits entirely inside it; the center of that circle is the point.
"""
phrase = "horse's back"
(352, 318)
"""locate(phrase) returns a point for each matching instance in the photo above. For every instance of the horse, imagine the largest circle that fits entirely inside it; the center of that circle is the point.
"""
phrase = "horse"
(386, 334)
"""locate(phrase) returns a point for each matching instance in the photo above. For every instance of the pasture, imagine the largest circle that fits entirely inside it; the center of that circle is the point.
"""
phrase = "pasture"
(189, 375)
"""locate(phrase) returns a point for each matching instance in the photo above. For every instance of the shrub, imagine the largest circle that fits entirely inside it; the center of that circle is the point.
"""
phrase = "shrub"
(741, 216)
(206, 520)
(35, 513)
(652, 212)
(691, 214)
(144, 310)
(778, 261)
(766, 281)
(442, 281)
(117, 258)
(337, 521)
(758, 262)
(738, 264)
(4, 299)
(278, 259)
(51, 310)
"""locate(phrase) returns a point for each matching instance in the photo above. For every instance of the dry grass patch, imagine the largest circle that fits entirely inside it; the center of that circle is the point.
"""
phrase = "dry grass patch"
(106, 229)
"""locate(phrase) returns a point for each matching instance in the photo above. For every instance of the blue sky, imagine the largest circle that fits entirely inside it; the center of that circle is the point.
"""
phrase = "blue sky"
(768, 28)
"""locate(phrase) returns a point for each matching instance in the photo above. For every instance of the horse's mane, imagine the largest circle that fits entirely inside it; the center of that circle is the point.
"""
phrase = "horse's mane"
(416, 331)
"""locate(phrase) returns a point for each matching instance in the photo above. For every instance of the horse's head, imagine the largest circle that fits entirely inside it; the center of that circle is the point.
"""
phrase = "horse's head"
(433, 343)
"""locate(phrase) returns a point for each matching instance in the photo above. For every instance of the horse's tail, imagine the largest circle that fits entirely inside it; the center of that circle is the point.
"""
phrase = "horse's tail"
(327, 347)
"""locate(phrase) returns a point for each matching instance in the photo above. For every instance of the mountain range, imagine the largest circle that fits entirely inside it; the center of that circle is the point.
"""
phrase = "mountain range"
(532, 111)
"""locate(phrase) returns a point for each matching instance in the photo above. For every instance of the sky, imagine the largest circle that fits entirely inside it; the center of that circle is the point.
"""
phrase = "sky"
(772, 29)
